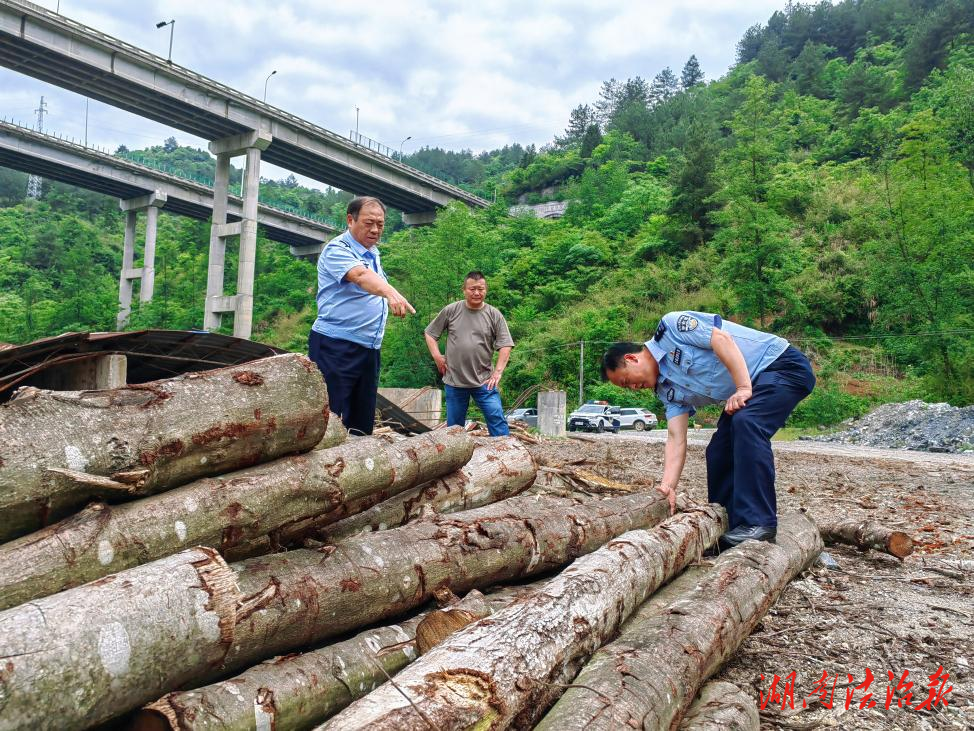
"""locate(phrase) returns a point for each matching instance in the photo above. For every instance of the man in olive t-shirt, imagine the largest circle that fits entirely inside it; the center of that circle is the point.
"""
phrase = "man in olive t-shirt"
(474, 331)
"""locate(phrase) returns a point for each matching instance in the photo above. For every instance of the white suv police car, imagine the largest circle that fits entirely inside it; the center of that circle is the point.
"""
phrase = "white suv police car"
(595, 416)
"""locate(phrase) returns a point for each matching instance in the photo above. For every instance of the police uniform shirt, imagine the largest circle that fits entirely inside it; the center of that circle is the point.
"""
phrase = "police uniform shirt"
(345, 310)
(690, 373)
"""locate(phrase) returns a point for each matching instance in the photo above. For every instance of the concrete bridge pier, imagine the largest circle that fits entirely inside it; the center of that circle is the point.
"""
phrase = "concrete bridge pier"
(241, 304)
(146, 274)
(422, 218)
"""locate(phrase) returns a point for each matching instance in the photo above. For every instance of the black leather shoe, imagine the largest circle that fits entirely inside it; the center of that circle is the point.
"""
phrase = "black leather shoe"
(747, 533)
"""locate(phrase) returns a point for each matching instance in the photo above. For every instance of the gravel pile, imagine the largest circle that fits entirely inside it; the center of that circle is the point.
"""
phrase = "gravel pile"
(913, 425)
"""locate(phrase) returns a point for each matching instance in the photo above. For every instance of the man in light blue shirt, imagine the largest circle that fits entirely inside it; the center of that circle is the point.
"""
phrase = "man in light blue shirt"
(354, 299)
(695, 359)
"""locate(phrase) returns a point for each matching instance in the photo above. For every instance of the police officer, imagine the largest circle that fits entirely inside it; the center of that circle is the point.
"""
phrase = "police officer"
(696, 358)
(354, 299)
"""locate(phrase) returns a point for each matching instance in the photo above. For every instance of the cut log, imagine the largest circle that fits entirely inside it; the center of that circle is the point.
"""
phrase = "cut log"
(491, 674)
(650, 675)
(499, 468)
(659, 601)
(299, 691)
(152, 436)
(335, 434)
(722, 706)
(310, 595)
(284, 602)
(865, 534)
(572, 478)
(220, 511)
(78, 658)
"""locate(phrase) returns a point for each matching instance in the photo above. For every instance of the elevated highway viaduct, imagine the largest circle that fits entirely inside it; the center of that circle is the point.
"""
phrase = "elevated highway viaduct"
(48, 46)
(144, 189)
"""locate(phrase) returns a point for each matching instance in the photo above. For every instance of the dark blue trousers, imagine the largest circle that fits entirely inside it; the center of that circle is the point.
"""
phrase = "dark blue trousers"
(351, 374)
(740, 464)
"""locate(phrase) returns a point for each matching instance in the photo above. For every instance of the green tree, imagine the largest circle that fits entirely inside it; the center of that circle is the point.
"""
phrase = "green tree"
(807, 70)
(581, 119)
(922, 275)
(954, 98)
(591, 140)
(694, 187)
(616, 96)
(772, 60)
(664, 86)
(692, 74)
(932, 37)
(750, 43)
(867, 85)
(759, 255)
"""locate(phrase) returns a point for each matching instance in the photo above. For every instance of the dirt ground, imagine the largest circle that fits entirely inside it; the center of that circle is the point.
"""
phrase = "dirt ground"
(873, 611)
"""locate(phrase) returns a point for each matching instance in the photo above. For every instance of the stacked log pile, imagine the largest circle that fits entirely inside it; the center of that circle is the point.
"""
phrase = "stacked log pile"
(212, 552)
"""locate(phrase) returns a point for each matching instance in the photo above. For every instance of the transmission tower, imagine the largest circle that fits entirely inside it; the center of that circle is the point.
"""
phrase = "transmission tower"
(34, 181)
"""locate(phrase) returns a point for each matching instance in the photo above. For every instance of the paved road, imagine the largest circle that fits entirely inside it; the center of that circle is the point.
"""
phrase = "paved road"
(963, 462)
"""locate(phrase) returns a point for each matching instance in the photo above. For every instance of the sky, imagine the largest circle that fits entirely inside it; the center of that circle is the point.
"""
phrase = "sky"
(457, 75)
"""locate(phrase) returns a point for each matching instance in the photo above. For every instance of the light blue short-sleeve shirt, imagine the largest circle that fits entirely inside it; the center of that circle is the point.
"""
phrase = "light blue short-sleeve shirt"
(345, 310)
(690, 373)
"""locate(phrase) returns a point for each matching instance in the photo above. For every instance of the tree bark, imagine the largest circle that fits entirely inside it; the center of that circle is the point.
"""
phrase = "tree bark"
(865, 534)
(335, 434)
(151, 437)
(310, 595)
(284, 602)
(493, 473)
(722, 706)
(650, 675)
(500, 468)
(299, 691)
(78, 658)
(220, 511)
(491, 674)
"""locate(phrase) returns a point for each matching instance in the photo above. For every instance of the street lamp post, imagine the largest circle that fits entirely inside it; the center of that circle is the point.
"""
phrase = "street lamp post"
(172, 27)
(356, 126)
(401, 144)
(265, 83)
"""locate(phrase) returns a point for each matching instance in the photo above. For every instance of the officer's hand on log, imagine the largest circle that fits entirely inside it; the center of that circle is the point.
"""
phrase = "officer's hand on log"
(670, 493)
(738, 401)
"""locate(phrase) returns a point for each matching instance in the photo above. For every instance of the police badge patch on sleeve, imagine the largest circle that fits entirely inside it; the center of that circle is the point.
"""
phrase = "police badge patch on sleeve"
(660, 331)
(685, 323)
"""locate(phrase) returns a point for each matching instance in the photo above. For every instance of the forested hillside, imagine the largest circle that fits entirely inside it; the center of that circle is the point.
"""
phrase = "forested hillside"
(822, 189)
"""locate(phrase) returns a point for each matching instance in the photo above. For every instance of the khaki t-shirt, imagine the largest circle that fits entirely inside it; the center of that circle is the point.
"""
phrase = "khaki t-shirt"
(472, 338)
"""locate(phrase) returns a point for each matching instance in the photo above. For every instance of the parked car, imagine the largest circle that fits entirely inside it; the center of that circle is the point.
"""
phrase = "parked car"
(637, 419)
(528, 416)
(594, 416)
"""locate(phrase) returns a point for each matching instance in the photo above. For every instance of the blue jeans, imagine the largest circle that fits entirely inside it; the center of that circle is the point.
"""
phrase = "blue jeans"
(489, 402)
